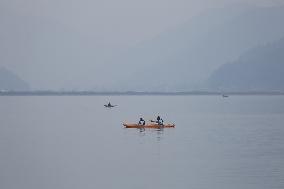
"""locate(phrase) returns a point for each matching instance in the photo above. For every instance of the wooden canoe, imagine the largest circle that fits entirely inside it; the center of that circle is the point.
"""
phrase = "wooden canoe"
(149, 125)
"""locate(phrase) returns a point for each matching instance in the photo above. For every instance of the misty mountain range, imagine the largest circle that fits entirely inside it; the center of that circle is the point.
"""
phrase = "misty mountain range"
(180, 59)
(259, 69)
(11, 82)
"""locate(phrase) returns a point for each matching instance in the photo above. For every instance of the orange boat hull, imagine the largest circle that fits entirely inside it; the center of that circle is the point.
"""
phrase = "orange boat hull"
(151, 125)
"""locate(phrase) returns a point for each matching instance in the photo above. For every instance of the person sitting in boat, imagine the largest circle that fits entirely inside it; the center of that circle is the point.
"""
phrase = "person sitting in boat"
(141, 121)
(160, 121)
(109, 105)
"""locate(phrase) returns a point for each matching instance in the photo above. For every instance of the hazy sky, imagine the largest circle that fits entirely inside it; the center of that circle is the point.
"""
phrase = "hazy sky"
(105, 26)
(116, 23)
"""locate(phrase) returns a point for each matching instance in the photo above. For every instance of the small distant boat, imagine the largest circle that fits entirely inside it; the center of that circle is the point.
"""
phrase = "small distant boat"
(109, 105)
(225, 96)
(149, 125)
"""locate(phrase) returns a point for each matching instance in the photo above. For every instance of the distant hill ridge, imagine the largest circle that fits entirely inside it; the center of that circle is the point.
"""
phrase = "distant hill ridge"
(181, 58)
(261, 68)
(11, 82)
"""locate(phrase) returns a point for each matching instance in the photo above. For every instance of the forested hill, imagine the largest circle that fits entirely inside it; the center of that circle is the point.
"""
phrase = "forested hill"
(11, 82)
(259, 69)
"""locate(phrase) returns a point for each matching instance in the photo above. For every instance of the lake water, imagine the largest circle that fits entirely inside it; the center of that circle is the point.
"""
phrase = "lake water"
(74, 142)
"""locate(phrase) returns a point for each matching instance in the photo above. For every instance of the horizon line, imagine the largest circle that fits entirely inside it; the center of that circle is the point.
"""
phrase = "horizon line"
(93, 93)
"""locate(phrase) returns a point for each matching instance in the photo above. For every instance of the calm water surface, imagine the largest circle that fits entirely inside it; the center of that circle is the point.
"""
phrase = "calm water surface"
(76, 143)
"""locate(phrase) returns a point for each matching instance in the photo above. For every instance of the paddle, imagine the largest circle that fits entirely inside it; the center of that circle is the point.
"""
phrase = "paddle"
(156, 122)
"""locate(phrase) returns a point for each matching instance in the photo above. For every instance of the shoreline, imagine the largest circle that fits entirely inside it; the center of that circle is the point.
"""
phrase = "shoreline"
(131, 93)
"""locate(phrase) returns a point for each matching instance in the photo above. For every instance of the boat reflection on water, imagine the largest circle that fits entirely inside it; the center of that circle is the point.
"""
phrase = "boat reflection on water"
(142, 129)
(159, 132)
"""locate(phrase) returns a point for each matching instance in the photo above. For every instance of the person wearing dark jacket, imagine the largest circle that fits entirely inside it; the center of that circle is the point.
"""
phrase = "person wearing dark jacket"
(160, 121)
(141, 121)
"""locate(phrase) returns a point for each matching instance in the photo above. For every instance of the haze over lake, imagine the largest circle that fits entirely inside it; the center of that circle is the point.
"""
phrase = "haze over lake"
(75, 142)
(215, 69)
